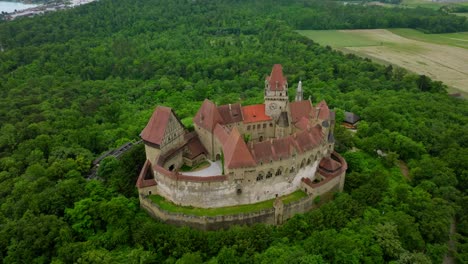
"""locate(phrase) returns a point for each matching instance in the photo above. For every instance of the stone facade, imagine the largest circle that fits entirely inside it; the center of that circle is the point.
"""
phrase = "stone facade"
(275, 215)
(264, 151)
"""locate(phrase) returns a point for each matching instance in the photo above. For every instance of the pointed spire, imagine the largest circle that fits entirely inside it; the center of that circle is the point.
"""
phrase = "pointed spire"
(299, 93)
(276, 80)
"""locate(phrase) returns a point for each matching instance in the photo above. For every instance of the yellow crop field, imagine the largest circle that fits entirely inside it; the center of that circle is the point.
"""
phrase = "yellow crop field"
(443, 58)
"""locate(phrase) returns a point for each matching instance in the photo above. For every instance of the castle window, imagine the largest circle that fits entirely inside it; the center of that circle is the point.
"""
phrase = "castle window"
(278, 172)
(264, 125)
(248, 127)
(269, 175)
(260, 177)
(308, 162)
(292, 170)
(271, 124)
(258, 126)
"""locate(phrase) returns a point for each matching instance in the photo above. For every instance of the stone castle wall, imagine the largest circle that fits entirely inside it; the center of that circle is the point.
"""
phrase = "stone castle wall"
(324, 190)
(240, 186)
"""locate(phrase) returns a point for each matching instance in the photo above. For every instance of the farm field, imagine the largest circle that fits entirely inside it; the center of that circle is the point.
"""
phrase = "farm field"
(459, 39)
(442, 57)
(461, 14)
(431, 4)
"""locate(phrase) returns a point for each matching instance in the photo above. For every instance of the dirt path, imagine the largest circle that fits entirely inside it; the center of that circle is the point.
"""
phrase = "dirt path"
(448, 259)
(404, 169)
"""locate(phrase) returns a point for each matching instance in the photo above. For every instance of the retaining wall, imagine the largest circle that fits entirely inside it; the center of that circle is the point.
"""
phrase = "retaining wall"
(266, 216)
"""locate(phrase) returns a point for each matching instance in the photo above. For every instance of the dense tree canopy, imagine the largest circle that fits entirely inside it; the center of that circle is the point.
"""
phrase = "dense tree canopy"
(76, 83)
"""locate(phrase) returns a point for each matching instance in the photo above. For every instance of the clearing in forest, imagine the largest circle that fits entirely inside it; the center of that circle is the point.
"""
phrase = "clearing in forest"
(443, 57)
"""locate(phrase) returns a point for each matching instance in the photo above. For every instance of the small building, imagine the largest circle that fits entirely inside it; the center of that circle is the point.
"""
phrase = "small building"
(350, 120)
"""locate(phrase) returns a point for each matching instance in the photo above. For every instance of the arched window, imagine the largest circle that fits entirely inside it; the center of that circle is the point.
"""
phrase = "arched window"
(308, 161)
(292, 170)
(260, 177)
(278, 172)
(172, 167)
(269, 175)
(302, 163)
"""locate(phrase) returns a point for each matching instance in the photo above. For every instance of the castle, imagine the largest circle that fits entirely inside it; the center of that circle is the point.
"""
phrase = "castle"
(251, 153)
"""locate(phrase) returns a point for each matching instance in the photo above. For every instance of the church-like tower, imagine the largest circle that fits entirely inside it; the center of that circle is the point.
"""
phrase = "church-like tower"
(276, 93)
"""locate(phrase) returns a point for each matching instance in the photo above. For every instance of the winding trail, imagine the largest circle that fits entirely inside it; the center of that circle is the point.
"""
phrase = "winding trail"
(449, 259)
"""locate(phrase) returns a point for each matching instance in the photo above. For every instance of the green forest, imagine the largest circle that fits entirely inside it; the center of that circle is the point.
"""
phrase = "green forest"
(78, 82)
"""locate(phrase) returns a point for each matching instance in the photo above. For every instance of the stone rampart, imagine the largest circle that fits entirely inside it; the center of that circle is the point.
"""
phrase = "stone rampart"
(267, 216)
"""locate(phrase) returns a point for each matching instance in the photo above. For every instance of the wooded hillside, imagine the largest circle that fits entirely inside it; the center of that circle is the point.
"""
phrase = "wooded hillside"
(76, 83)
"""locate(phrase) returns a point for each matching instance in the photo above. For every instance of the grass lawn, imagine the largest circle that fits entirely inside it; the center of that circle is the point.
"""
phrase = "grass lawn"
(459, 39)
(338, 39)
(170, 207)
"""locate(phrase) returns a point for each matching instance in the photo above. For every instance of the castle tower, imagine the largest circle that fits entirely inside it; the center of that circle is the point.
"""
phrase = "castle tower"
(282, 127)
(299, 93)
(276, 93)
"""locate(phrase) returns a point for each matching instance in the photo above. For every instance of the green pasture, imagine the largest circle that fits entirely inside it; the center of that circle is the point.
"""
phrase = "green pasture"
(247, 208)
(461, 14)
(459, 39)
(430, 4)
(338, 39)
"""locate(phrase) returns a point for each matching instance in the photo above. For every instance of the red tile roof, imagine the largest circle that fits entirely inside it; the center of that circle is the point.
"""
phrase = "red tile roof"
(230, 113)
(263, 151)
(324, 112)
(276, 79)
(283, 147)
(329, 164)
(301, 109)
(236, 153)
(195, 148)
(156, 127)
(208, 116)
(145, 179)
(303, 123)
(221, 134)
(254, 113)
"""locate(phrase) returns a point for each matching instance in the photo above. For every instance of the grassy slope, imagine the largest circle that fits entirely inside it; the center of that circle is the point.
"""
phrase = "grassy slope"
(169, 206)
